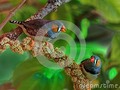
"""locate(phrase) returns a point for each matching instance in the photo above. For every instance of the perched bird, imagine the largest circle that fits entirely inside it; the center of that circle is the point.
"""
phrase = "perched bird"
(91, 67)
(55, 30)
(33, 28)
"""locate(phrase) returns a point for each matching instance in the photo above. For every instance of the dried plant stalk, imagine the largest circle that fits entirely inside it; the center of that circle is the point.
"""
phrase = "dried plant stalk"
(72, 69)
(12, 12)
(80, 82)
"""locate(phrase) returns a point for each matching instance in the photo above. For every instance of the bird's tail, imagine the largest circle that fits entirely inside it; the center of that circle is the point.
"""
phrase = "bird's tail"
(16, 22)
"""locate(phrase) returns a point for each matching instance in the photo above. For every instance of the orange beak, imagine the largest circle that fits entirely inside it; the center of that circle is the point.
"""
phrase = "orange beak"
(63, 29)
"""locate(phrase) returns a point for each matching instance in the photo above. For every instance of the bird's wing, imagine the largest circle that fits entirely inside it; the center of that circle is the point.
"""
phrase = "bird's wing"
(35, 24)
(84, 61)
(88, 74)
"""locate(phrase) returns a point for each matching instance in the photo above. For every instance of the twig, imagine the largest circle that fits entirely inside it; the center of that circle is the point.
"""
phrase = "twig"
(12, 12)
(49, 7)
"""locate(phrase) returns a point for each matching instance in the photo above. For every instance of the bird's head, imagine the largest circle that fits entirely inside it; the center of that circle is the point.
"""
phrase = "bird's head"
(58, 28)
(95, 60)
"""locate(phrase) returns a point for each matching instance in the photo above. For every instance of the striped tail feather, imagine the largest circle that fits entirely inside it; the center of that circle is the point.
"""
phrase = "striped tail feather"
(16, 22)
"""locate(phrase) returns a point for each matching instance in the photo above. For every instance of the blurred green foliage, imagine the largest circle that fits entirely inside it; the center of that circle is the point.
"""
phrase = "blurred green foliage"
(112, 73)
(85, 23)
(42, 1)
(109, 9)
(115, 52)
(8, 62)
(8, 26)
(29, 74)
(35, 77)
(21, 14)
(14, 2)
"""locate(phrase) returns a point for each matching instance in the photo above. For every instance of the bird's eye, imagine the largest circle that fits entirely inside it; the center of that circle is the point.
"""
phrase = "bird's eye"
(92, 59)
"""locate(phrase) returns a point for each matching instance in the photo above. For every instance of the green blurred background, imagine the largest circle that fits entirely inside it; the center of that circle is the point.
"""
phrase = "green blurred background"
(99, 21)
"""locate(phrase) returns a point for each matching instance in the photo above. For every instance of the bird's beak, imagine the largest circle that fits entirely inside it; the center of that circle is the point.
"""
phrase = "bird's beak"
(63, 29)
(98, 63)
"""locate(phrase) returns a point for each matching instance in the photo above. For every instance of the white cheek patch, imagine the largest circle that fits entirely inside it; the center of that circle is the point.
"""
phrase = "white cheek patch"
(95, 62)
(59, 29)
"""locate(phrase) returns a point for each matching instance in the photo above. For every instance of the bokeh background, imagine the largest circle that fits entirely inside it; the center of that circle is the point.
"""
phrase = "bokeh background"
(99, 21)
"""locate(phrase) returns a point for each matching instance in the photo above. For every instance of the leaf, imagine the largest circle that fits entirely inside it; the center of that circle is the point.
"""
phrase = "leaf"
(63, 13)
(30, 75)
(115, 82)
(15, 2)
(112, 73)
(24, 13)
(85, 24)
(114, 26)
(8, 62)
(115, 52)
(28, 67)
(42, 1)
(8, 26)
(109, 9)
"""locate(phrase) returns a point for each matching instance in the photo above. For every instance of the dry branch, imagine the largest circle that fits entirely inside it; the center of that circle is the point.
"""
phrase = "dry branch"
(80, 82)
(12, 12)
